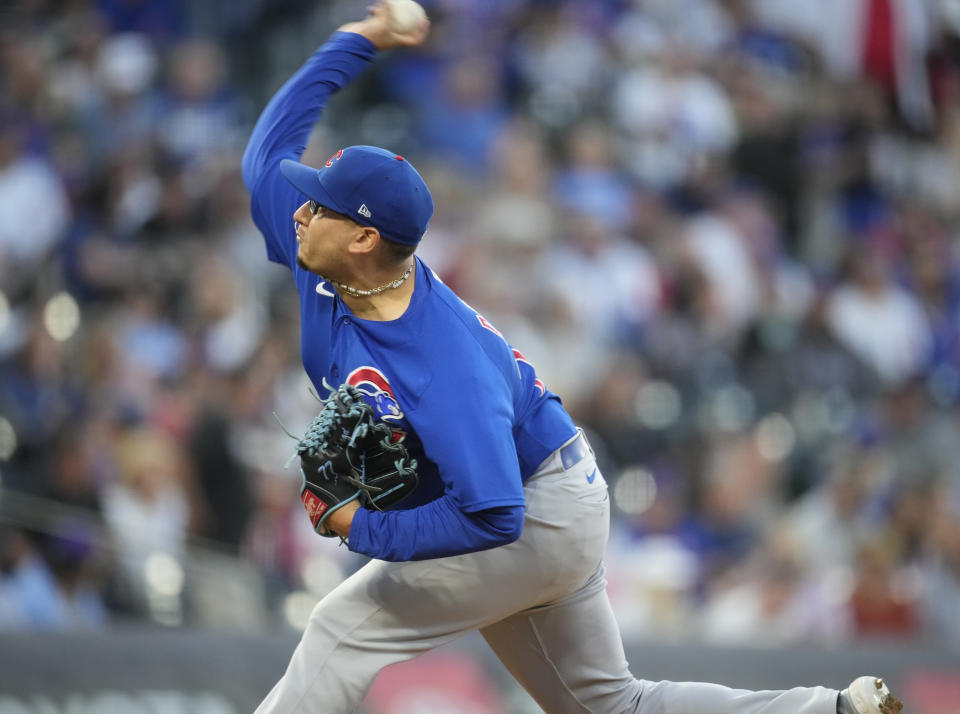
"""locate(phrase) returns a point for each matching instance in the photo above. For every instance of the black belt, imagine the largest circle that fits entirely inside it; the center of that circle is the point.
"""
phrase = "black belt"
(573, 452)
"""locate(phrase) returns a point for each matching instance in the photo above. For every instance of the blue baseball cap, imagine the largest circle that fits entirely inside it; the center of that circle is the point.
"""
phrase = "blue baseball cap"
(373, 186)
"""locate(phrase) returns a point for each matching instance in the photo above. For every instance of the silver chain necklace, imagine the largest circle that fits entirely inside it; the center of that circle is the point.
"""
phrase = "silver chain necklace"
(357, 292)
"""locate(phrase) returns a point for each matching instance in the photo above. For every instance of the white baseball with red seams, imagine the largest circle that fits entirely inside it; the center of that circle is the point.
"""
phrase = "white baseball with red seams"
(405, 15)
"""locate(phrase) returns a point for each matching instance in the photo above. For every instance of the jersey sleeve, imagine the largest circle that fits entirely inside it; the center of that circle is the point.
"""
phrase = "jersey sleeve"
(465, 424)
(434, 530)
(282, 132)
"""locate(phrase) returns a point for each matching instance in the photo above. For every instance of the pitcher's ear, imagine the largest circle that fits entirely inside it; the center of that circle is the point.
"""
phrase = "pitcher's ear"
(365, 240)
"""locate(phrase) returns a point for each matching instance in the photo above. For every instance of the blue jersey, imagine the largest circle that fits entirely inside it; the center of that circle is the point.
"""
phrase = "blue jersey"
(467, 405)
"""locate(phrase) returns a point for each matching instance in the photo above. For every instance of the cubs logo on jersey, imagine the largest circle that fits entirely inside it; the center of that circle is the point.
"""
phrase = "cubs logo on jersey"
(376, 388)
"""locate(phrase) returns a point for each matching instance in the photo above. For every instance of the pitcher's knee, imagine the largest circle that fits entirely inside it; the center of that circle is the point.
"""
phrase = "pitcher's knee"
(620, 696)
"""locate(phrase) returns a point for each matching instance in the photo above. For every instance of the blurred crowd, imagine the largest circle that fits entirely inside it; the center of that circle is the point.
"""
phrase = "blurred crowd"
(724, 231)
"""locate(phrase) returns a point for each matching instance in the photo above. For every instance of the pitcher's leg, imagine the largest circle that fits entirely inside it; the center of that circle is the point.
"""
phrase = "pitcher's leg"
(568, 655)
(391, 612)
(698, 697)
(348, 640)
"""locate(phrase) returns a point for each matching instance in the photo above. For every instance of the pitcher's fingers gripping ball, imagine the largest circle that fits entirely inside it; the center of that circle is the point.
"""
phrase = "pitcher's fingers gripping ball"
(347, 455)
(405, 16)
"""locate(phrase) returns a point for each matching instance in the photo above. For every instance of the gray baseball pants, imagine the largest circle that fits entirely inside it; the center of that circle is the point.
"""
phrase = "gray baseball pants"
(540, 603)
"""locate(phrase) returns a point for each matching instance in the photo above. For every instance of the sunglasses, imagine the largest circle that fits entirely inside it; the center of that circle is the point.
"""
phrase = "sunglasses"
(322, 211)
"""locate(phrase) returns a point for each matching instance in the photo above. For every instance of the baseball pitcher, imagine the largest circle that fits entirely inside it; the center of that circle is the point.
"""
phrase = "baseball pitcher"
(438, 452)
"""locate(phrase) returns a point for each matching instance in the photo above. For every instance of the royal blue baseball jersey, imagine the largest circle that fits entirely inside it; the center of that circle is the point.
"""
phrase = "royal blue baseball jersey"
(467, 405)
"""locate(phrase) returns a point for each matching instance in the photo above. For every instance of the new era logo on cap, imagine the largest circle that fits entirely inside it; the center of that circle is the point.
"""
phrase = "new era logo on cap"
(391, 195)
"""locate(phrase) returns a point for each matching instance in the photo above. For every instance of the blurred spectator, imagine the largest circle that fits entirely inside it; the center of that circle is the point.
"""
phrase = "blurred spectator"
(34, 210)
(76, 473)
(830, 520)
(37, 398)
(606, 284)
(773, 602)
(728, 295)
(46, 583)
(461, 119)
(116, 113)
(146, 509)
(876, 319)
(153, 348)
(515, 223)
(562, 62)
(939, 568)
(733, 494)
(880, 604)
(673, 116)
(934, 274)
(198, 112)
(591, 182)
(223, 481)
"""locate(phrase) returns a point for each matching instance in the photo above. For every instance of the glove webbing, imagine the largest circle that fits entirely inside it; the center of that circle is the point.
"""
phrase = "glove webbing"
(343, 426)
(331, 420)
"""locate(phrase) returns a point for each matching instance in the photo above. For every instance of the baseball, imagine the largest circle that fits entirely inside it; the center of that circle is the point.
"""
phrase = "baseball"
(405, 15)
